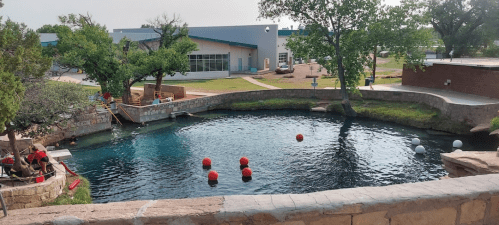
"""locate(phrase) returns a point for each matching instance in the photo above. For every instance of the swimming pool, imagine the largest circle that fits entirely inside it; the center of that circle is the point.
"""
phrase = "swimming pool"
(163, 159)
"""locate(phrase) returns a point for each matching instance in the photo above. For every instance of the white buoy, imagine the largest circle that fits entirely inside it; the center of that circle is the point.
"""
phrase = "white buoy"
(458, 150)
(416, 141)
(420, 149)
(457, 144)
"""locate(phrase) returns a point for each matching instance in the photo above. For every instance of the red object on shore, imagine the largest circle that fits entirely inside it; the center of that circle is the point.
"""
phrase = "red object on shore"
(67, 169)
(247, 172)
(206, 161)
(244, 161)
(106, 95)
(74, 184)
(8, 160)
(213, 175)
(299, 137)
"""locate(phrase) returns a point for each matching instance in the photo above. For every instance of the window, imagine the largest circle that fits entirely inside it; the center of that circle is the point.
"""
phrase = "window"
(283, 57)
(200, 63)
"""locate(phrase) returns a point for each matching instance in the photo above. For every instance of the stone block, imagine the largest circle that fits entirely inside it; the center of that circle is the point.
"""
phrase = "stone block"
(290, 223)
(374, 218)
(443, 216)
(472, 211)
(337, 220)
(494, 207)
(263, 219)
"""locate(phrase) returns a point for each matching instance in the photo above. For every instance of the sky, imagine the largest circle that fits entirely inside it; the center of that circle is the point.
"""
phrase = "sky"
(133, 13)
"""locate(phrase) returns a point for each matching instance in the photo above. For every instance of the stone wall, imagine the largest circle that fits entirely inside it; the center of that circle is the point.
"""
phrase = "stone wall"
(466, 200)
(90, 121)
(34, 195)
(472, 115)
(466, 79)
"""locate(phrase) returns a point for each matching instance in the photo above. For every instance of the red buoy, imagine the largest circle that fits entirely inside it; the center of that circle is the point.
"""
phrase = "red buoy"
(247, 172)
(213, 175)
(206, 161)
(244, 161)
(299, 137)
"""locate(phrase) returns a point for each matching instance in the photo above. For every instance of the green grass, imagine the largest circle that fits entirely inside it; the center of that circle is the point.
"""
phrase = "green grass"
(81, 196)
(494, 124)
(217, 85)
(406, 113)
(273, 104)
(322, 83)
(392, 64)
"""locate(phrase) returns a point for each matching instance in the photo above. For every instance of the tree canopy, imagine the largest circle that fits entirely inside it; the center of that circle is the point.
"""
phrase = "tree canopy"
(344, 31)
(459, 22)
(47, 28)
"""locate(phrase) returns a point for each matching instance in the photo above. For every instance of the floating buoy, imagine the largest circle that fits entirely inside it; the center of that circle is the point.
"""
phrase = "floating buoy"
(72, 143)
(416, 141)
(420, 149)
(206, 161)
(457, 144)
(244, 161)
(56, 144)
(213, 175)
(299, 137)
(247, 172)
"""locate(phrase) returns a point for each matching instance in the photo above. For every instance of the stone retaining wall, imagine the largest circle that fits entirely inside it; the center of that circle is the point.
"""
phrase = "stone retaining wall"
(471, 114)
(34, 195)
(466, 200)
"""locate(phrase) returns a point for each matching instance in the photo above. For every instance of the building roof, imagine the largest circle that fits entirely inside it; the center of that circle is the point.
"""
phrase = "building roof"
(482, 63)
(134, 36)
(231, 43)
(289, 32)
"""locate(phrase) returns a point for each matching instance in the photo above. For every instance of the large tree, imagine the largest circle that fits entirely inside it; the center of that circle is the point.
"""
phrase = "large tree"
(336, 28)
(174, 43)
(458, 22)
(47, 28)
(21, 61)
(401, 30)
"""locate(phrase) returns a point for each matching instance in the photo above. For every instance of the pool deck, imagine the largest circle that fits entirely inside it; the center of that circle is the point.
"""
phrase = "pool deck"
(451, 96)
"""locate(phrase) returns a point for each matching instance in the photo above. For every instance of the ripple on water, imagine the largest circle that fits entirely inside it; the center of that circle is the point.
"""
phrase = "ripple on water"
(163, 159)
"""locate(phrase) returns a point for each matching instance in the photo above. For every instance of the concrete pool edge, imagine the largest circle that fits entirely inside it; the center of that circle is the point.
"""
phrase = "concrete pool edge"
(465, 200)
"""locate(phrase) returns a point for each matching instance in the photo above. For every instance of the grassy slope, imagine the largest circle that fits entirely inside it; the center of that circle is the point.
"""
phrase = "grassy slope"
(80, 196)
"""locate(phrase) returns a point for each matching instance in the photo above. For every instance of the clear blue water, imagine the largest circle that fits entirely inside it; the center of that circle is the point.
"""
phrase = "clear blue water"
(162, 160)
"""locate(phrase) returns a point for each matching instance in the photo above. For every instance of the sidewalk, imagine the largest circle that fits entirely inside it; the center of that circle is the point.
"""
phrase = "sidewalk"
(452, 96)
(253, 81)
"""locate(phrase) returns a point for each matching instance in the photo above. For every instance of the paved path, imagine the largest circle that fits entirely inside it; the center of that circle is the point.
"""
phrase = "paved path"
(253, 81)
(452, 96)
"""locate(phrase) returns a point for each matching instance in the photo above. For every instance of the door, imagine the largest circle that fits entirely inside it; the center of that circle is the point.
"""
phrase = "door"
(249, 63)
(240, 64)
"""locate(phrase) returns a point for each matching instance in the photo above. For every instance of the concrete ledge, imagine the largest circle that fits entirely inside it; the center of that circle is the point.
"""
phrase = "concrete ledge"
(470, 114)
(466, 200)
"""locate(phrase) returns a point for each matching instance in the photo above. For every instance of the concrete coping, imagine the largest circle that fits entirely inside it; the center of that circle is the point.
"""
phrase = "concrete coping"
(392, 200)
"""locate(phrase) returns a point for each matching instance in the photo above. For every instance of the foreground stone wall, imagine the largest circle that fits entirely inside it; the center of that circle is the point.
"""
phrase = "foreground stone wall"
(472, 115)
(466, 79)
(466, 200)
(34, 195)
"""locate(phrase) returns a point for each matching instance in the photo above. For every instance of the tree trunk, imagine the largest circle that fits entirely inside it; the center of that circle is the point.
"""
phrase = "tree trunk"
(159, 80)
(347, 107)
(18, 165)
(374, 63)
(127, 94)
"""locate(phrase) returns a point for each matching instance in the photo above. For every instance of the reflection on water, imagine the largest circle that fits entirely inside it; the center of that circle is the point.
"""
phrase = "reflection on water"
(163, 159)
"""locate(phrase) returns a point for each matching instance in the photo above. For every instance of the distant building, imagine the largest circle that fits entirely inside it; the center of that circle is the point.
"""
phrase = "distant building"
(222, 50)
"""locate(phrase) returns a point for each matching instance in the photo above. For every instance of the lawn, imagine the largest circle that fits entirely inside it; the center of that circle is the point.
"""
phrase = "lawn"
(216, 85)
(322, 83)
(392, 64)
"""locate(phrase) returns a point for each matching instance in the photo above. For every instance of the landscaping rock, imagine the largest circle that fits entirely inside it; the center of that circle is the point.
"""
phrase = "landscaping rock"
(257, 77)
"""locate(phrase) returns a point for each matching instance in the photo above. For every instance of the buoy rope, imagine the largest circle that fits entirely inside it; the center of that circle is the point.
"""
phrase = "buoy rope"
(67, 169)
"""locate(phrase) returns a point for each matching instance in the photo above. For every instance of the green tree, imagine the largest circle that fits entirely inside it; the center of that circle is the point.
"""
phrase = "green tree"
(47, 28)
(146, 26)
(88, 46)
(458, 22)
(174, 36)
(21, 56)
(401, 30)
(336, 28)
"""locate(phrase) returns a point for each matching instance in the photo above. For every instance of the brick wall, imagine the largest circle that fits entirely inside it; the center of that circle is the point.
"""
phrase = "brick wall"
(473, 115)
(466, 79)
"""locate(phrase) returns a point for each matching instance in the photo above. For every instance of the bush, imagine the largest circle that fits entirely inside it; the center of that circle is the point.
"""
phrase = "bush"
(491, 51)
(494, 124)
